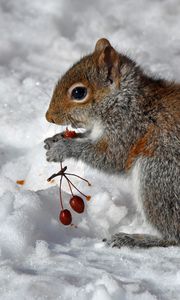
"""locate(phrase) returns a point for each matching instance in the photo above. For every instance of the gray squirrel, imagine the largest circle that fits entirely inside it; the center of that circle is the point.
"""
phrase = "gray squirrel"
(132, 124)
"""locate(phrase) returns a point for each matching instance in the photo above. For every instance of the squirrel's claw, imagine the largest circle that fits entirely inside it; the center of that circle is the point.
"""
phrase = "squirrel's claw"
(49, 142)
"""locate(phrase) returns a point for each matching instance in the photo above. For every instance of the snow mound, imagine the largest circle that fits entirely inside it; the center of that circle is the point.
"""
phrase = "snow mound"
(39, 257)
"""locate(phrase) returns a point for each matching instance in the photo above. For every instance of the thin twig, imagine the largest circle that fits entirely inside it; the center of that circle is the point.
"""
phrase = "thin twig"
(61, 172)
(69, 186)
(74, 185)
(78, 177)
(60, 193)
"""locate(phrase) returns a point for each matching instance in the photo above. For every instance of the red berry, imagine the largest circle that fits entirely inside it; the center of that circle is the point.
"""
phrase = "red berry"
(69, 133)
(77, 204)
(65, 217)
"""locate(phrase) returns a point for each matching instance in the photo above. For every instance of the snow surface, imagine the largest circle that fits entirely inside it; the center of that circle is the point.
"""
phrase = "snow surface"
(40, 258)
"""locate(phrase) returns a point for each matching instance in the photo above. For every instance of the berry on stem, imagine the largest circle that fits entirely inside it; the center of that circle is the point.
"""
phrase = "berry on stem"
(65, 217)
(77, 204)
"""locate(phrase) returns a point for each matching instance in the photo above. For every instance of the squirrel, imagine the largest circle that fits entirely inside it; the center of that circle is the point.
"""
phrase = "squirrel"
(132, 124)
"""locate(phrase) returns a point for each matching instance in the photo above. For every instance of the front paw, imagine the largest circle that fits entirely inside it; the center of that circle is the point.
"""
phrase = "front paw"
(58, 151)
(49, 142)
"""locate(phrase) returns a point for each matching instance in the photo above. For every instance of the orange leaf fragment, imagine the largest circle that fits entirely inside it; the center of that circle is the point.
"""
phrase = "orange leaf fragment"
(20, 182)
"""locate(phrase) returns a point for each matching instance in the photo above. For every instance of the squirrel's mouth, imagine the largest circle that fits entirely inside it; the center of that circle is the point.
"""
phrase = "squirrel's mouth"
(94, 129)
(76, 122)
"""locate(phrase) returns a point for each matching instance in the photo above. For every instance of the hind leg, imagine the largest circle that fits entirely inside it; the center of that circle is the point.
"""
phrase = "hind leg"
(121, 239)
(159, 195)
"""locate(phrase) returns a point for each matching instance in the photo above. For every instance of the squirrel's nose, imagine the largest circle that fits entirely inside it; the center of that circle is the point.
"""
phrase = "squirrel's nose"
(49, 117)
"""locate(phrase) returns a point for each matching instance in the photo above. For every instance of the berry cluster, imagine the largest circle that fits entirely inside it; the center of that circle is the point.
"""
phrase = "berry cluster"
(76, 202)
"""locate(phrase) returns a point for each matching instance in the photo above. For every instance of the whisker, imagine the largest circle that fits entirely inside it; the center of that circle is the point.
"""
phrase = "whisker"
(42, 91)
(72, 121)
(69, 119)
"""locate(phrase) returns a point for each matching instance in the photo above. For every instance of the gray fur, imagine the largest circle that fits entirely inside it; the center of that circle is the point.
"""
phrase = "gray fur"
(126, 114)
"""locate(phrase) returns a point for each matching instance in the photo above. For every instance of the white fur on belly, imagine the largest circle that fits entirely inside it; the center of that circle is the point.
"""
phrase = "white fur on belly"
(96, 131)
(135, 177)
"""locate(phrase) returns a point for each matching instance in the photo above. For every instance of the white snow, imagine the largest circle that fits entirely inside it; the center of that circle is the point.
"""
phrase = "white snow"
(40, 258)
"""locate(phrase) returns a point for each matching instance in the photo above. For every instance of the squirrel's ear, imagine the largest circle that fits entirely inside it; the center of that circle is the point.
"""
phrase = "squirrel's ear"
(101, 44)
(108, 58)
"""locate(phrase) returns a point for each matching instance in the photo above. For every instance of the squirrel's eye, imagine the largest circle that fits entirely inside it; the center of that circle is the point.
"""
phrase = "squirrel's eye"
(79, 93)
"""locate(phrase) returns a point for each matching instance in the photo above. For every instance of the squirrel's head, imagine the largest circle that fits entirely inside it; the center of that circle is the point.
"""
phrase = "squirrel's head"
(87, 83)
